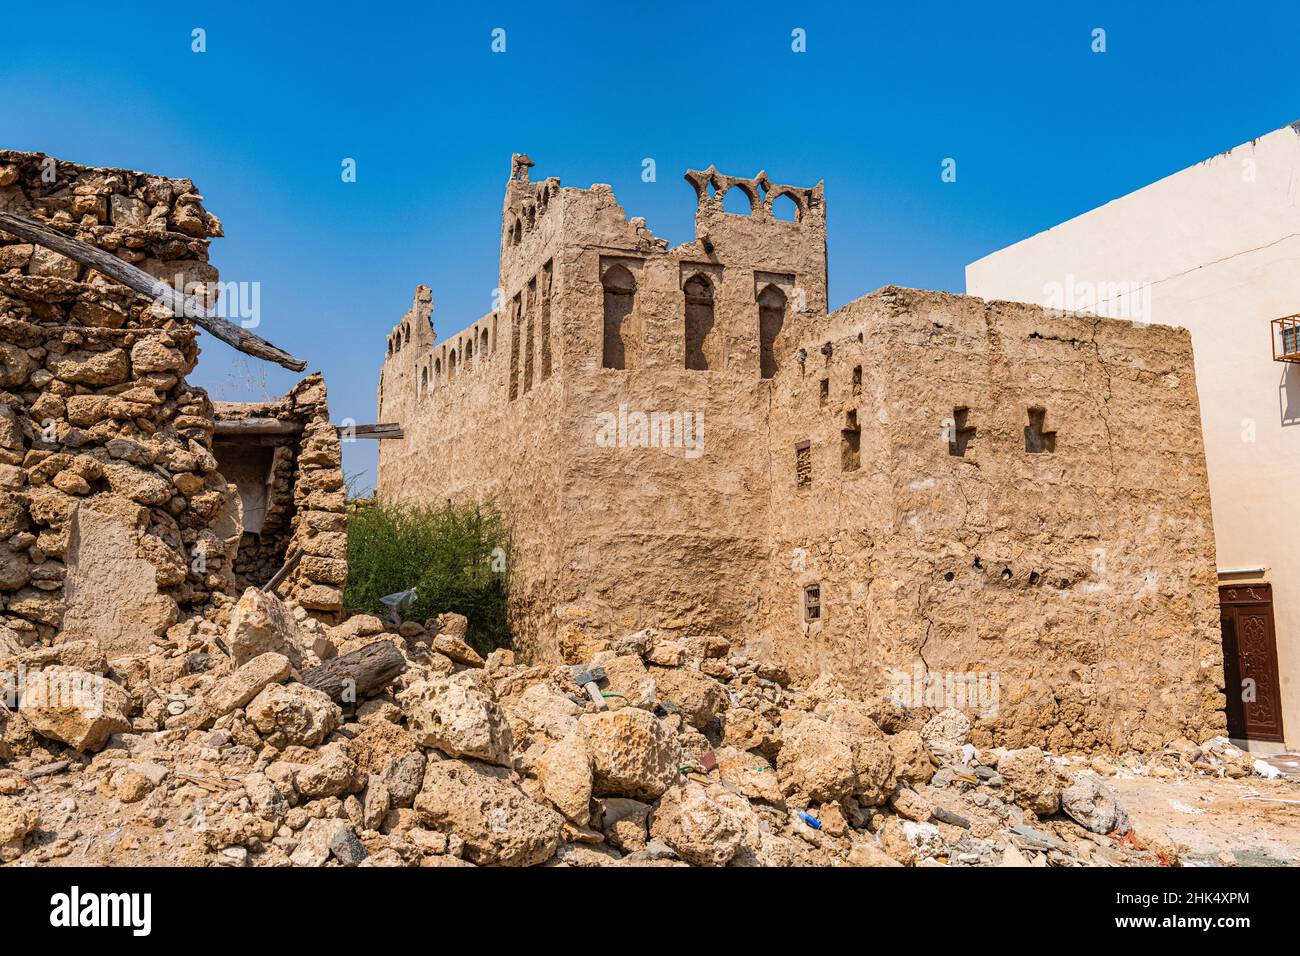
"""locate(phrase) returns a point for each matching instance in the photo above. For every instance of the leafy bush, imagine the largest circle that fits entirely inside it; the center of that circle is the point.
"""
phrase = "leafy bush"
(448, 554)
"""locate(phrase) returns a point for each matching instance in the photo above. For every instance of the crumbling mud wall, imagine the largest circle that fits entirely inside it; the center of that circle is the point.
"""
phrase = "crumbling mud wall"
(821, 476)
(1001, 494)
(107, 461)
(114, 515)
(590, 327)
(286, 461)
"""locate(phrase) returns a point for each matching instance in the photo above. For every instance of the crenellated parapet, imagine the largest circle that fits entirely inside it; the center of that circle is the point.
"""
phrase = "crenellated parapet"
(584, 286)
(711, 187)
(416, 327)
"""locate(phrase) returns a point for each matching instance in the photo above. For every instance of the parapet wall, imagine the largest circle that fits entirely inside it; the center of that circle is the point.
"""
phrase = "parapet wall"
(584, 287)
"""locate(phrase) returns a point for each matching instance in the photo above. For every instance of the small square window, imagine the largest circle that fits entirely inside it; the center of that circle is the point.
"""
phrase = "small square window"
(812, 602)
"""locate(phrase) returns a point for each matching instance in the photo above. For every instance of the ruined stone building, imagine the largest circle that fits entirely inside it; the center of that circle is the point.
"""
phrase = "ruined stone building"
(1212, 248)
(127, 500)
(917, 483)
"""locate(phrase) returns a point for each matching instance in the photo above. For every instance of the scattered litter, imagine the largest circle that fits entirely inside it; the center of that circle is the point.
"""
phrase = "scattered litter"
(1266, 770)
(1271, 799)
(396, 603)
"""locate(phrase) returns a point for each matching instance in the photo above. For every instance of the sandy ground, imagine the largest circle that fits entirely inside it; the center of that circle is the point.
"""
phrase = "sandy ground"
(1210, 815)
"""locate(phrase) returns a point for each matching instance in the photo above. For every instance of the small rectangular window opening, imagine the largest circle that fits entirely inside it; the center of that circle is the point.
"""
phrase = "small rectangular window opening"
(960, 432)
(803, 465)
(812, 602)
(850, 443)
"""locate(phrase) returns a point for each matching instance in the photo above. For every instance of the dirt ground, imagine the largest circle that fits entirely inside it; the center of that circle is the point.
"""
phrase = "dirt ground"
(1211, 815)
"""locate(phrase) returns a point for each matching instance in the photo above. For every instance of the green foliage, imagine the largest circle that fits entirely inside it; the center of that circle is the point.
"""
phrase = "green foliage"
(448, 554)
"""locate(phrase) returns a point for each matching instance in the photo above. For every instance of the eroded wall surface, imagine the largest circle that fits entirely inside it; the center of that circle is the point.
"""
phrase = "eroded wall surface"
(297, 480)
(105, 451)
(1211, 248)
(609, 535)
(1075, 562)
(1029, 500)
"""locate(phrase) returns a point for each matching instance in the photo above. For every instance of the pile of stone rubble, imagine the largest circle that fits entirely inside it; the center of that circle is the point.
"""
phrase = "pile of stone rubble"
(278, 740)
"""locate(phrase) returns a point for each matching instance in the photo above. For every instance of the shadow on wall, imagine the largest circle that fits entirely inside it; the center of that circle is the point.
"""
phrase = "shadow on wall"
(1288, 395)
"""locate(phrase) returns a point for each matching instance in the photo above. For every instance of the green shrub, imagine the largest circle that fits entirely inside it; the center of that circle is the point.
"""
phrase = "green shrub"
(449, 555)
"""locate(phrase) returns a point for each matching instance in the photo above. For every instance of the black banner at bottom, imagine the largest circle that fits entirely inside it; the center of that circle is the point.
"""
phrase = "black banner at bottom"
(337, 906)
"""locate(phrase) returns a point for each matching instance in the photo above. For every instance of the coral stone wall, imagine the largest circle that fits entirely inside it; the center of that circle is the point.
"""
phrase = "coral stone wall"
(108, 486)
(603, 534)
(464, 440)
(1066, 553)
(299, 479)
(115, 518)
(1082, 576)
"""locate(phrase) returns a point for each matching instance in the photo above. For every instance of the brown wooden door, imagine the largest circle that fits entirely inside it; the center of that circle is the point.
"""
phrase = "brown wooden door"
(1250, 662)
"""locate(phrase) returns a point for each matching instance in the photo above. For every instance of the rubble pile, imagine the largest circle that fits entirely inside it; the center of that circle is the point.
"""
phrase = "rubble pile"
(1216, 757)
(278, 740)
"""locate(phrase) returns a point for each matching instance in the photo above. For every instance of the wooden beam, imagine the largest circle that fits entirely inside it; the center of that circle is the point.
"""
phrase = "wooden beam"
(119, 270)
(278, 426)
(353, 676)
(290, 563)
(256, 426)
(240, 442)
(385, 430)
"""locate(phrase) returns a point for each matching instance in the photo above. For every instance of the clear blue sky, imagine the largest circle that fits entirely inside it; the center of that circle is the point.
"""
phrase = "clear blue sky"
(1041, 128)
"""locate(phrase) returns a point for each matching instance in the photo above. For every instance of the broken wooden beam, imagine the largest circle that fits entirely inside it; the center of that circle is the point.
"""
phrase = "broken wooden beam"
(353, 676)
(290, 563)
(119, 270)
(279, 426)
(384, 430)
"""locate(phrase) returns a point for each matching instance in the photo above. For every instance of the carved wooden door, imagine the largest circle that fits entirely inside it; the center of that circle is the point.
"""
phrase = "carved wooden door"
(1250, 662)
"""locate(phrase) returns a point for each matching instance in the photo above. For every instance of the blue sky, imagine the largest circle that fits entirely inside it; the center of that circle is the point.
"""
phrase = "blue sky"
(1041, 129)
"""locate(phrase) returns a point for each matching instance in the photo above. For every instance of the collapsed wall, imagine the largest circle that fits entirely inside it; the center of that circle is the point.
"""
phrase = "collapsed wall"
(285, 460)
(115, 519)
